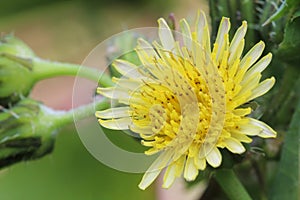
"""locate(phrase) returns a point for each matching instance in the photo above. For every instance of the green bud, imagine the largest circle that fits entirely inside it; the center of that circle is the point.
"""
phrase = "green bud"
(27, 131)
(16, 79)
(12, 45)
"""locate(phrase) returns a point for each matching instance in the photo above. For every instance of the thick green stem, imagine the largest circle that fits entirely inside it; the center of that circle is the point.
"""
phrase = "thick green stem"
(66, 117)
(231, 185)
(46, 69)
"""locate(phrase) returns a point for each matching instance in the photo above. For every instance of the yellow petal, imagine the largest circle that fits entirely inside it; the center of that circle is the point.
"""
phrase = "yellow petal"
(190, 170)
(202, 32)
(242, 111)
(145, 131)
(180, 165)
(155, 169)
(240, 137)
(114, 93)
(200, 163)
(249, 129)
(259, 66)
(165, 35)
(221, 39)
(234, 145)
(214, 157)
(187, 35)
(266, 131)
(169, 176)
(116, 124)
(254, 53)
(262, 88)
(251, 83)
(128, 69)
(118, 112)
(128, 84)
(235, 49)
(144, 45)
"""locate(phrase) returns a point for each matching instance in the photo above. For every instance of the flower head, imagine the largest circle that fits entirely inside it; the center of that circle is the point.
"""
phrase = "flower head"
(185, 100)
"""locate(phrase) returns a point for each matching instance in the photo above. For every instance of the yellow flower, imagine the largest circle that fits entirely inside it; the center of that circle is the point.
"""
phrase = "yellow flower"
(185, 100)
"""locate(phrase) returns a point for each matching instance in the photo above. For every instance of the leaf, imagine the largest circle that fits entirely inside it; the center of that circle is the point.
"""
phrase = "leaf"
(285, 7)
(286, 182)
(289, 48)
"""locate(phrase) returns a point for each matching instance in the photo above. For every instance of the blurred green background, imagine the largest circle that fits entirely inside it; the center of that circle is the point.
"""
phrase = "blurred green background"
(68, 31)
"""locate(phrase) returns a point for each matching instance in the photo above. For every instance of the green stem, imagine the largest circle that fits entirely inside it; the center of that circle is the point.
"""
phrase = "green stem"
(62, 118)
(231, 185)
(47, 69)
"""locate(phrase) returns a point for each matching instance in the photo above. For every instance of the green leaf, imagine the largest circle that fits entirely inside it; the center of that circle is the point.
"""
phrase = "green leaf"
(289, 48)
(231, 185)
(286, 182)
(285, 7)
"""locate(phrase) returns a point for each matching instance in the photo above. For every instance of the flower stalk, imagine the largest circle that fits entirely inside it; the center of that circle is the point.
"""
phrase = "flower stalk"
(231, 185)
(63, 118)
(44, 69)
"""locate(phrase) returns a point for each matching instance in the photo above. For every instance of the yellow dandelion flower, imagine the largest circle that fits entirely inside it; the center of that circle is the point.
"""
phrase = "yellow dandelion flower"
(185, 100)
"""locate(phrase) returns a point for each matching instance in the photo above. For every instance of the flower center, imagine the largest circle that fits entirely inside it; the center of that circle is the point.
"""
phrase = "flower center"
(174, 108)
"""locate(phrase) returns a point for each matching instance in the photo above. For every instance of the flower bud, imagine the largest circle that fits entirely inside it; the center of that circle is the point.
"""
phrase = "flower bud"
(26, 132)
(16, 79)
